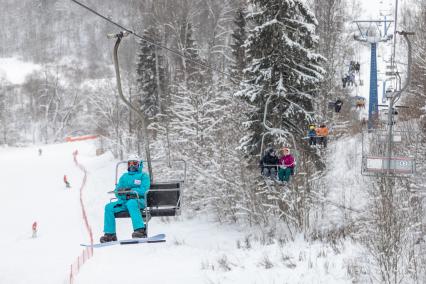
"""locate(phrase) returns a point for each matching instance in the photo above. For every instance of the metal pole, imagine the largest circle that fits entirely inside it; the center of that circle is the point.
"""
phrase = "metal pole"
(397, 96)
(273, 129)
(373, 100)
(119, 36)
(390, 135)
(393, 64)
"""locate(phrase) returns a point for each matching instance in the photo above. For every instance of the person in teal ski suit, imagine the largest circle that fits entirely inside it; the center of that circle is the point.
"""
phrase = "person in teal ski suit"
(133, 180)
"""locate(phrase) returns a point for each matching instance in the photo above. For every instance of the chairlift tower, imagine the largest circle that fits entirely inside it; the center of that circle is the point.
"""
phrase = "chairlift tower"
(371, 33)
(379, 154)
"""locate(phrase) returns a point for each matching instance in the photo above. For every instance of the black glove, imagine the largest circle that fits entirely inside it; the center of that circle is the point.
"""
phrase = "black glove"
(122, 190)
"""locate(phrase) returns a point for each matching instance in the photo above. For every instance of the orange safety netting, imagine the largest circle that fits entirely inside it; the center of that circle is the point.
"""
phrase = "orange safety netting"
(81, 138)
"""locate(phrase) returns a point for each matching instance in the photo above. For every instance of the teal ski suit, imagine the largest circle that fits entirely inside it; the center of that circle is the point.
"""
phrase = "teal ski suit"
(136, 181)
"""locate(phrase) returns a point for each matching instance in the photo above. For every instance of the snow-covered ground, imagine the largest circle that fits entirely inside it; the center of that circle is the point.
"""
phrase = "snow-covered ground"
(14, 70)
(346, 190)
(198, 250)
(32, 189)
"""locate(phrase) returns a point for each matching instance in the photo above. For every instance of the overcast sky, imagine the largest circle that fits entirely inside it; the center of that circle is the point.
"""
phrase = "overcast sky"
(373, 8)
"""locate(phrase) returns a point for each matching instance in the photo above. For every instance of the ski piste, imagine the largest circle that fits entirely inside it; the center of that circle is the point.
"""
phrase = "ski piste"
(154, 239)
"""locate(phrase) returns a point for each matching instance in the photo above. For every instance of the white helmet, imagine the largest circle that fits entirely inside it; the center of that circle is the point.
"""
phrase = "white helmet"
(133, 163)
(133, 157)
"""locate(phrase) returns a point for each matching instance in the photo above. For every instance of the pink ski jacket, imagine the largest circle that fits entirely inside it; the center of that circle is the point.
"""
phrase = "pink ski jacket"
(287, 161)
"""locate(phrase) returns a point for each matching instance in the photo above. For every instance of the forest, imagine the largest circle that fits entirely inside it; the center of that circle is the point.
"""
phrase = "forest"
(285, 56)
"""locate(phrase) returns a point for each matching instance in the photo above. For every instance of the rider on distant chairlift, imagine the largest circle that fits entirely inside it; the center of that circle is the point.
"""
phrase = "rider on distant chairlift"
(268, 163)
(322, 133)
(360, 102)
(338, 105)
(286, 165)
(312, 135)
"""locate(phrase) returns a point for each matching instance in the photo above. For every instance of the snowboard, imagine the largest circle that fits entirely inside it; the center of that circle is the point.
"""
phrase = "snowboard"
(153, 239)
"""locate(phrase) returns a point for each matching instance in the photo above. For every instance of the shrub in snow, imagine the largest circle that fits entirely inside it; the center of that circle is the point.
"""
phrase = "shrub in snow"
(224, 264)
(266, 262)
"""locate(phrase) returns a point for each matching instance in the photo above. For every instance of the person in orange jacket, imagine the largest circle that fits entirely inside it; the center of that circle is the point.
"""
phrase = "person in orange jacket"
(322, 133)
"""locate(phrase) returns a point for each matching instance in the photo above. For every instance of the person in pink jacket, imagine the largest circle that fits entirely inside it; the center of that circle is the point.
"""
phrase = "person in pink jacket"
(286, 165)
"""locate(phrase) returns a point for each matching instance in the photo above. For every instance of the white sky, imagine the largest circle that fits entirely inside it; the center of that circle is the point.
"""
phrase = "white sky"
(372, 8)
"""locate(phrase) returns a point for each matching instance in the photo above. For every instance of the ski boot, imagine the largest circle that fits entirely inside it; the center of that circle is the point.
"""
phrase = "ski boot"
(139, 233)
(108, 238)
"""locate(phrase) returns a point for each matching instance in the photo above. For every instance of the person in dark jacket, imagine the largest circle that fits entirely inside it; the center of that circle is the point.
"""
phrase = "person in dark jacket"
(357, 67)
(338, 105)
(269, 163)
(344, 81)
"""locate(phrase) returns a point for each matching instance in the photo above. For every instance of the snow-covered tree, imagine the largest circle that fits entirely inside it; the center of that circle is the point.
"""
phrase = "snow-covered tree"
(332, 45)
(239, 37)
(9, 112)
(283, 64)
(151, 81)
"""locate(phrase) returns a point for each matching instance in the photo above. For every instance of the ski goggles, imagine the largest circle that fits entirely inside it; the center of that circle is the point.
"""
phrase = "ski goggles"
(133, 163)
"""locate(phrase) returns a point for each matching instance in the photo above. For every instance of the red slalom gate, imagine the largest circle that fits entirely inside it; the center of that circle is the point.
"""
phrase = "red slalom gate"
(87, 253)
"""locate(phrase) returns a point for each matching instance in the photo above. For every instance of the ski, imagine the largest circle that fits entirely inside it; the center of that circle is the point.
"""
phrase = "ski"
(154, 239)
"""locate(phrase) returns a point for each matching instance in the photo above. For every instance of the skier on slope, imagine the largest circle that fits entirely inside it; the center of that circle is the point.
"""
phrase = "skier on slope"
(34, 229)
(133, 180)
(67, 184)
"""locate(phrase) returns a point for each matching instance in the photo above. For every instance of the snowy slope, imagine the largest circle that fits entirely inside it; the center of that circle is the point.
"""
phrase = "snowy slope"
(346, 190)
(197, 250)
(32, 189)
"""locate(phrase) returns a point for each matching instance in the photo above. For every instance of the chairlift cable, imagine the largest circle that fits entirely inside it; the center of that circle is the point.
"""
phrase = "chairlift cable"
(393, 59)
(235, 80)
(153, 42)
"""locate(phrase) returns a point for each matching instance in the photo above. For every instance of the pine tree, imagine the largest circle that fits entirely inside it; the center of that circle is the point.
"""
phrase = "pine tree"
(239, 36)
(332, 45)
(283, 64)
(147, 85)
(190, 92)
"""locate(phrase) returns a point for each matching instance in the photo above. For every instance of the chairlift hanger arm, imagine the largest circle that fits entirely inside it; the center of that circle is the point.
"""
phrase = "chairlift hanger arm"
(409, 55)
(119, 36)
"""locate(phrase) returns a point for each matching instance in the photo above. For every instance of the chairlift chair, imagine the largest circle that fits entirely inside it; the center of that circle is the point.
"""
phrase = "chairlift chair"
(163, 199)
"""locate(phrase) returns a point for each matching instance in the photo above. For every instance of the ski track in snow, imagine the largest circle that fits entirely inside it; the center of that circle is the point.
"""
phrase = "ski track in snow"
(345, 186)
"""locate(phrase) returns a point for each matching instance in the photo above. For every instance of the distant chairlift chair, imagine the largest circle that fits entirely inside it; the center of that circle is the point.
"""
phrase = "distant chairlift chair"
(163, 199)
